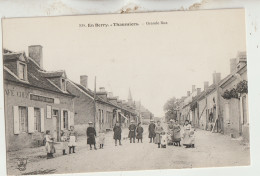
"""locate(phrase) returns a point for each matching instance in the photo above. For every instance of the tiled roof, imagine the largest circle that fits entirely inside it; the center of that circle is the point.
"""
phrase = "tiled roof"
(35, 78)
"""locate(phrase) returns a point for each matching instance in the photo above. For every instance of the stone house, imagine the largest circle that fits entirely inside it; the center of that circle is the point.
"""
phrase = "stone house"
(35, 100)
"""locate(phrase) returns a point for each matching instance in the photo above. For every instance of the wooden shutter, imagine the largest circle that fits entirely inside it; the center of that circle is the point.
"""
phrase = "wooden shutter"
(30, 119)
(42, 119)
(16, 120)
(72, 118)
(69, 122)
(61, 120)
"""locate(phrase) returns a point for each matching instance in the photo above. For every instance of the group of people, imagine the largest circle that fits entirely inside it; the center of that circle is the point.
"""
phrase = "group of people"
(157, 135)
(68, 140)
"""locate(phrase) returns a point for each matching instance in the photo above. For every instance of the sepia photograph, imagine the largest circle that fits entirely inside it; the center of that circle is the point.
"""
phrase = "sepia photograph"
(125, 92)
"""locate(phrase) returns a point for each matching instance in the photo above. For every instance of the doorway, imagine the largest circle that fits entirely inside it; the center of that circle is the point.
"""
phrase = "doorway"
(56, 124)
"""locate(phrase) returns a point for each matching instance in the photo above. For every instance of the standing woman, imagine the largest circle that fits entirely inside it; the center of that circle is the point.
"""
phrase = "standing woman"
(186, 134)
(158, 131)
(49, 145)
(73, 136)
(117, 133)
(176, 134)
(170, 130)
(151, 131)
(139, 131)
(91, 134)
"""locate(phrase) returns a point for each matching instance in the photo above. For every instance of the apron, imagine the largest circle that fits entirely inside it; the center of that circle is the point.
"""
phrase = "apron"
(72, 141)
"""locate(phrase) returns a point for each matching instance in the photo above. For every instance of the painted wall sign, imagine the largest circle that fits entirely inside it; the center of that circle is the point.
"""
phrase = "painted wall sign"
(41, 98)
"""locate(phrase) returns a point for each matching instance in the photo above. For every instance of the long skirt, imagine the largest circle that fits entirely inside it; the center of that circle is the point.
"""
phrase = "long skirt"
(72, 141)
(91, 139)
(157, 139)
(186, 138)
(49, 146)
(176, 136)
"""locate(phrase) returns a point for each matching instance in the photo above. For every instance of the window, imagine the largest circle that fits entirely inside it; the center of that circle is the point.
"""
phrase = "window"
(65, 120)
(23, 118)
(37, 119)
(63, 84)
(22, 71)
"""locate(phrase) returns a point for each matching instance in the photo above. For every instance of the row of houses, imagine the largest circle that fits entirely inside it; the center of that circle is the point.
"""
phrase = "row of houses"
(223, 106)
(37, 100)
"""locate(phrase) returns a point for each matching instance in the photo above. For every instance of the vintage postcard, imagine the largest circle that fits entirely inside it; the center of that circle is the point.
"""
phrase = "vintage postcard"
(124, 92)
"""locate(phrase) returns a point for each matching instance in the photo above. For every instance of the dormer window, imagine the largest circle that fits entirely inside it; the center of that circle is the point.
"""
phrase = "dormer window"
(63, 84)
(22, 71)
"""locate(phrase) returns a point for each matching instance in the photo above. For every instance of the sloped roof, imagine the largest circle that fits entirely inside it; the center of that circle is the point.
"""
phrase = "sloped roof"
(34, 75)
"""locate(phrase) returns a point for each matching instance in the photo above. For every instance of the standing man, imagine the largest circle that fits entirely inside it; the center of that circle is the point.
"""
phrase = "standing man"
(91, 134)
(151, 131)
(132, 129)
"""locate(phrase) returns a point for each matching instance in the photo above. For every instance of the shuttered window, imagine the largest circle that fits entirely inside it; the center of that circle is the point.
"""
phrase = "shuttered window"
(37, 119)
(23, 119)
(65, 120)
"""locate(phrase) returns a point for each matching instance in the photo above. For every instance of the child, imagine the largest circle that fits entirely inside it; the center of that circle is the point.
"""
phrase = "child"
(192, 139)
(101, 138)
(163, 140)
(64, 141)
(73, 135)
(49, 146)
(139, 131)
(158, 132)
(187, 137)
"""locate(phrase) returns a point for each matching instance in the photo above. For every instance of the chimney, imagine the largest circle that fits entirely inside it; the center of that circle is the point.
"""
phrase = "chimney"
(84, 81)
(35, 52)
(233, 65)
(216, 78)
(193, 88)
(242, 60)
(198, 91)
(102, 89)
(206, 85)
(188, 93)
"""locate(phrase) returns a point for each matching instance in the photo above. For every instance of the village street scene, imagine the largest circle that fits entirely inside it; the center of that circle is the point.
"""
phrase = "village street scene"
(55, 120)
(126, 98)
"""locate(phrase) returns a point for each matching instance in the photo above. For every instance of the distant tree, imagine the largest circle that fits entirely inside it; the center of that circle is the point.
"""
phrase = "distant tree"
(170, 108)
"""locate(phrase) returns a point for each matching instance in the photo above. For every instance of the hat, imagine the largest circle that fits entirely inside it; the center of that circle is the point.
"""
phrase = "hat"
(90, 122)
(151, 120)
(132, 121)
(171, 120)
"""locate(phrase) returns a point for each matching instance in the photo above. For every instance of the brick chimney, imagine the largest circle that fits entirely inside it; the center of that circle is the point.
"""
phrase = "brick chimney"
(188, 93)
(198, 91)
(35, 52)
(193, 88)
(102, 93)
(216, 78)
(233, 65)
(84, 81)
(206, 85)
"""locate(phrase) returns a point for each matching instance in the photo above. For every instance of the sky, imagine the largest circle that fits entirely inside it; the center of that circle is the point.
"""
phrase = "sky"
(156, 62)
